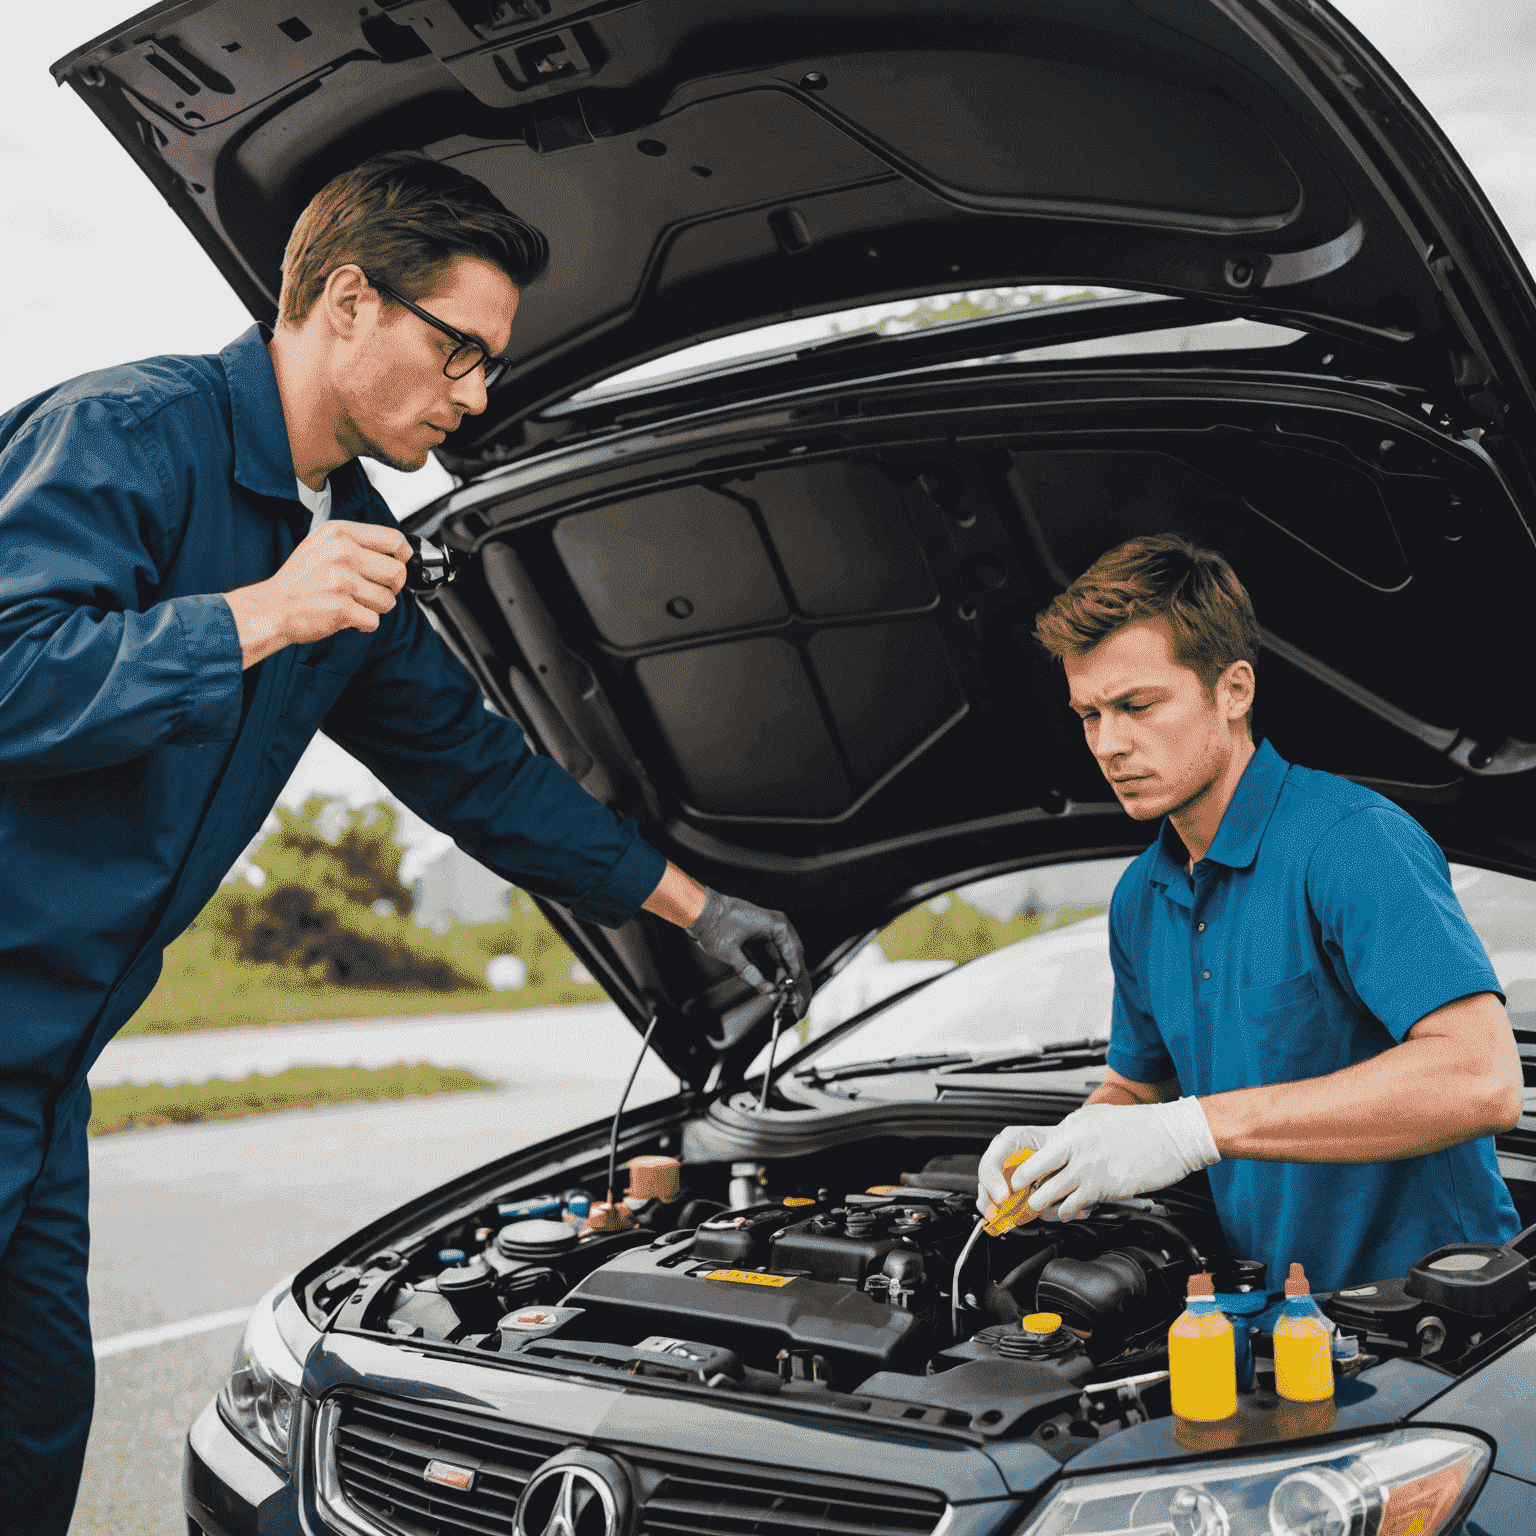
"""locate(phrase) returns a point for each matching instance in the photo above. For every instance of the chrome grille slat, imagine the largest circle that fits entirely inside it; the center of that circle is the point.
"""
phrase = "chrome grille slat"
(428, 1514)
(857, 1505)
(755, 1518)
(379, 1450)
(750, 1504)
(390, 1477)
(349, 1451)
(454, 1437)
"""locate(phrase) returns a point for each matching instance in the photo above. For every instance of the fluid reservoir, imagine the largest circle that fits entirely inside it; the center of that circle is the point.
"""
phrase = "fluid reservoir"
(470, 1291)
(655, 1178)
(536, 1239)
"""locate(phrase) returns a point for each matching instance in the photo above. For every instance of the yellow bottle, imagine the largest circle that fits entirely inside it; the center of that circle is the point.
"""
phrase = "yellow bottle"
(1303, 1348)
(1014, 1209)
(1202, 1362)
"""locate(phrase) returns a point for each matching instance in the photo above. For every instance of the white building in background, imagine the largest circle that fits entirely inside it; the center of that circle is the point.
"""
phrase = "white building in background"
(449, 887)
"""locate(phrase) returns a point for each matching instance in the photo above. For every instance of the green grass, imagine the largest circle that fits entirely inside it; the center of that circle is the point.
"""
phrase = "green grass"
(127, 1107)
(202, 989)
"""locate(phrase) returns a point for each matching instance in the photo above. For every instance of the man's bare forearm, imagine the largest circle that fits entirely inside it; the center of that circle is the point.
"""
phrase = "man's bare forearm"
(1116, 1089)
(1452, 1080)
(678, 898)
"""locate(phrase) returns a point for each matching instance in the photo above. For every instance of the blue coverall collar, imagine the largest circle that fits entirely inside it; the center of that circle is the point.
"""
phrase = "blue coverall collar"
(263, 460)
(263, 463)
(1237, 840)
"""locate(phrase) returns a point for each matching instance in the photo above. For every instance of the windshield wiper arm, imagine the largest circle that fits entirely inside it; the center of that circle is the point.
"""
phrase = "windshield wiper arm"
(1087, 1052)
(884, 1066)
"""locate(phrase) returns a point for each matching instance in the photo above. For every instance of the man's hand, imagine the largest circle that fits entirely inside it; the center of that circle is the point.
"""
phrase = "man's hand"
(727, 924)
(342, 576)
(1112, 1151)
(993, 1183)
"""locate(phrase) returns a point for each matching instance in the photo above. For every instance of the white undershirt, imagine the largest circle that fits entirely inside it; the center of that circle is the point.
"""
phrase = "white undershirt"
(318, 502)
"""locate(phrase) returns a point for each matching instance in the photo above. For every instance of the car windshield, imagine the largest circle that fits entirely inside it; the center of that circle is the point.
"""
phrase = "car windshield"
(772, 343)
(1021, 963)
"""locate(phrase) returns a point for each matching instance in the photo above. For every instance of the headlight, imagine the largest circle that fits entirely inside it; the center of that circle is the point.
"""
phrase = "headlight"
(260, 1398)
(1413, 1480)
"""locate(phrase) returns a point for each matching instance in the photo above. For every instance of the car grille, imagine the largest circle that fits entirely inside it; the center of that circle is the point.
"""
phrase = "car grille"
(731, 1501)
(381, 1449)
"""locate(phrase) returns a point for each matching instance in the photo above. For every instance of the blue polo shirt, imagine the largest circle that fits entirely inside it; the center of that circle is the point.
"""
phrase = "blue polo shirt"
(1317, 930)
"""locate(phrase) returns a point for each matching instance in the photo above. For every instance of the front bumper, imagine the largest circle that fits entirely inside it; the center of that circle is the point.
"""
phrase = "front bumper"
(229, 1490)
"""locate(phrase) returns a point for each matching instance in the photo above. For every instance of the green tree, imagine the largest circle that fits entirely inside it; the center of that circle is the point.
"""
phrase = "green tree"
(333, 910)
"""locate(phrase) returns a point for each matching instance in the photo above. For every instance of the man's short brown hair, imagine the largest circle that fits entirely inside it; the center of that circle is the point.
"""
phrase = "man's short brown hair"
(402, 219)
(1194, 591)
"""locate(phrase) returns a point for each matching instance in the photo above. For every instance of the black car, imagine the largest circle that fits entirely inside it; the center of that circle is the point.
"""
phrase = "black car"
(778, 609)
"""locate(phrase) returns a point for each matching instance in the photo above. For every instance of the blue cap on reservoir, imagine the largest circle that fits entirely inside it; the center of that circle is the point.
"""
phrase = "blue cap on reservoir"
(579, 1205)
(530, 1209)
(450, 1255)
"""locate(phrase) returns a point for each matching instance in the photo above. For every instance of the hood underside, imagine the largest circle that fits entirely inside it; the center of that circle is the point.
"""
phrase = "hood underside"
(793, 637)
(700, 167)
(785, 622)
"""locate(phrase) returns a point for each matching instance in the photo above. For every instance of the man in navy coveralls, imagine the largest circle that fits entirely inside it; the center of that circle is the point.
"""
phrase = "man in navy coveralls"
(1288, 956)
(195, 575)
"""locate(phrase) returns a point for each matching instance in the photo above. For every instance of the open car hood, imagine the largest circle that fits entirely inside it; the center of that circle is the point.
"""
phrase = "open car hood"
(783, 621)
(701, 167)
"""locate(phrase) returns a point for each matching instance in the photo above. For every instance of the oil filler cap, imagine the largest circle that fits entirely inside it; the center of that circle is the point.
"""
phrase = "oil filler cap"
(1473, 1279)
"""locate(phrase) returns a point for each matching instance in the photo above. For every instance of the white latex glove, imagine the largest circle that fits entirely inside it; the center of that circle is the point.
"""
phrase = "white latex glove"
(1113, 1151)
(993, 1183)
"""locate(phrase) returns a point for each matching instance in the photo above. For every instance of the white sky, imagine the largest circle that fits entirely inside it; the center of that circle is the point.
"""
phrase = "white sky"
(95, 269)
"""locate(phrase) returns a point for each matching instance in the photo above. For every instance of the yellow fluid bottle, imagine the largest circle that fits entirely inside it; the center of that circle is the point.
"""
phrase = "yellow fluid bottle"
(1303, 1347)
(1013, 1211)
(1202, 1362)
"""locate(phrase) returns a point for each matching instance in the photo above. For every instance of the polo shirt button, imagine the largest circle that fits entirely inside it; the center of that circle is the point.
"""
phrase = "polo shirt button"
(1200, 927)
(1205, 975)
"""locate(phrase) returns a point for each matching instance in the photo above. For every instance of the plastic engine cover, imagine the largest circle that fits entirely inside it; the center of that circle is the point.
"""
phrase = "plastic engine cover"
(652, 1292)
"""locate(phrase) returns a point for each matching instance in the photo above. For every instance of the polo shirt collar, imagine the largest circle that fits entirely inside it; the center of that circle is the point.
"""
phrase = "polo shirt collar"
(263, 460)
(1253, 802)
(1242, 824)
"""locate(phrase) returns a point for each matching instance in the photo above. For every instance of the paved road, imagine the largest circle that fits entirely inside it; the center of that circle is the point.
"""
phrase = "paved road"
(196, 1220)
(510, 1046)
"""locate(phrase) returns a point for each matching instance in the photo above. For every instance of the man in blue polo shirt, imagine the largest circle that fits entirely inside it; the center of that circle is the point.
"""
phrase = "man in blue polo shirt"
(1288, 956)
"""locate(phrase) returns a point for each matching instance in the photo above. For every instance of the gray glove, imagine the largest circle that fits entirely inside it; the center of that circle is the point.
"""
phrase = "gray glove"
(726, 924)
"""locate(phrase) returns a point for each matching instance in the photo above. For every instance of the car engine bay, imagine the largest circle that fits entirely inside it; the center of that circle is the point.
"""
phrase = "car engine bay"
(880, 1300)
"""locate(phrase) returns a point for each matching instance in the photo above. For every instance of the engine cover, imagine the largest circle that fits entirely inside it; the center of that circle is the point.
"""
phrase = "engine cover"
(646, 1291)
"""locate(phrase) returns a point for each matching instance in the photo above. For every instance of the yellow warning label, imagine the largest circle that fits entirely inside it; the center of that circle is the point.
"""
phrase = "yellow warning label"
(748, 1277)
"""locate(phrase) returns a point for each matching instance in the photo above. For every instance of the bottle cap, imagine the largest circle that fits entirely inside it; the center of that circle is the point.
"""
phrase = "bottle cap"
(1200, 1285)
(1296, 1282)
(1041, 1322)
(655, 1178)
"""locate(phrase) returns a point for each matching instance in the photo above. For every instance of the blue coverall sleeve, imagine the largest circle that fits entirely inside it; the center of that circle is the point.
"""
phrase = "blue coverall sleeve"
(413, 714)
(1390, 922)
(93, 671)
(1136, 1048)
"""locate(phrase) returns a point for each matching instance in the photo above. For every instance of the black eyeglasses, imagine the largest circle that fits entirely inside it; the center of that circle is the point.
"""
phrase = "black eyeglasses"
(468, 355)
